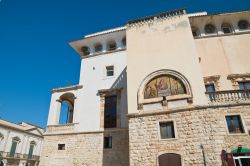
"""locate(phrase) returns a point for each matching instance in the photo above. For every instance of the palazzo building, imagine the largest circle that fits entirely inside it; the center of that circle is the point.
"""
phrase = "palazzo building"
(20, 144)
(169, 89)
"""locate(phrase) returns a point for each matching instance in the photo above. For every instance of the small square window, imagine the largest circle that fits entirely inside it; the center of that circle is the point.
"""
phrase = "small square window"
(210, 88)
(167, 130)
(109, 71)
(107, 142)
(61, 146)
(234, 124)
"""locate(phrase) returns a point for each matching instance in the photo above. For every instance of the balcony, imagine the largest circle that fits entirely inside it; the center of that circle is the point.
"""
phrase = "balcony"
(62, 128)
(228, 97)
(18, 156)
(33, 157)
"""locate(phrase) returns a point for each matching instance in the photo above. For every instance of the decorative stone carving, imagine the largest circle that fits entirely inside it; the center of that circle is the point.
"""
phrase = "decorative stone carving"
(156, 88)
(235, 78)
(213, 80)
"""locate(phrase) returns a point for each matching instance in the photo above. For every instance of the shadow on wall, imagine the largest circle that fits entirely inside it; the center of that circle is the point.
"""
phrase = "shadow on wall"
(121, 81)
(116, 142)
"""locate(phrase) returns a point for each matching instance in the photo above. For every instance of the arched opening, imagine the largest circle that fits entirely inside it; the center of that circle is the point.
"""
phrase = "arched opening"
(243, 24)
(112, 45)
(169, 159)
(124, 42)
(98, 47)
(195, 32)
(67, 108)
(210, 29)
(226, 28)
(85, 50)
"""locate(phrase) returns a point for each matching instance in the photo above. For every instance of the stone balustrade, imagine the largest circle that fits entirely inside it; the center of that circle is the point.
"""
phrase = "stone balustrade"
(18, 156)
(228, 97)
(69, 127)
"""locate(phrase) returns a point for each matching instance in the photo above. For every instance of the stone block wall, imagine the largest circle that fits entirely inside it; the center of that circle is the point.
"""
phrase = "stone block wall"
(85, 149)
(194, 127)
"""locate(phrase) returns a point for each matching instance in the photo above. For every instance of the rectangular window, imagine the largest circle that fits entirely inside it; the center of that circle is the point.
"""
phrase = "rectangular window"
(61, 146)
(31, 151)
(13, 149)
(110, 111)
(167, 130)
(107, 142)
(234, 124)
(109, 71)
(210, 88)
(244, 85)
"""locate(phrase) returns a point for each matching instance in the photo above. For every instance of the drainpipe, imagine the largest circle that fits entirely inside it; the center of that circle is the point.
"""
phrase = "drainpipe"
(203, 154)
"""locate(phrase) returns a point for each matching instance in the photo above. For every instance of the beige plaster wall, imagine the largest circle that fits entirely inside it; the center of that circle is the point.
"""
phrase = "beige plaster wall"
(162, 44)
(224, 55)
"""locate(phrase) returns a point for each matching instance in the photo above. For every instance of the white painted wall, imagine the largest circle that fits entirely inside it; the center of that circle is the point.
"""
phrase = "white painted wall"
(93, 78)
(88, 108)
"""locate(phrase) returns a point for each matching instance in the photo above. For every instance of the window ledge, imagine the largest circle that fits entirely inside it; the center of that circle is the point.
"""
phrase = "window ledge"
(168, 98)
(237, 134)
(168, 139)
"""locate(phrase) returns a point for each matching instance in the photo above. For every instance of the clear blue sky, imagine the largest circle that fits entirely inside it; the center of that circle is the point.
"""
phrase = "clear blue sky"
(34, 52)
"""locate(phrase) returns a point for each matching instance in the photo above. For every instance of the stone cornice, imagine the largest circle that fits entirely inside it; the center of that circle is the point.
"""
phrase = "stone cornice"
(108, 91)
(236, 76)
(152, 18)
(188, 108)
(211, 78)
(89, 132)
(21, 130)
(67, 88)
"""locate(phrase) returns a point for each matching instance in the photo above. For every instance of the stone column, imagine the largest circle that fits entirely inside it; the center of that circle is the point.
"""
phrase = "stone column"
(57, 111)
(102, 105)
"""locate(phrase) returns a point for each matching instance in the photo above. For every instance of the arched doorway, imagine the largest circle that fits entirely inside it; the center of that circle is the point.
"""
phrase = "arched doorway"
(169, 159)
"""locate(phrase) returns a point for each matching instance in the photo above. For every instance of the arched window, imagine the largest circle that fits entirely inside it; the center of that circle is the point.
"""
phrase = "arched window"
(124, 43)
(195, 31)
(243, 24)
(67, 108)
(210, 29)
(164, 85)
(98, 47)
(169, 159)
(85, 50)
(226, 28)
(112, 45)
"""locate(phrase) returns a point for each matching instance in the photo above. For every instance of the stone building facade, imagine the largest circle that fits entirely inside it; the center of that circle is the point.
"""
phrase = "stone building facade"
(169, 89)
(20, 144)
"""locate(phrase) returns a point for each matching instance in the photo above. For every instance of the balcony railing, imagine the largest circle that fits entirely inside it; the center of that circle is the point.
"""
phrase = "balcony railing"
(231, 96)
(18, 156)
(15, 155)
